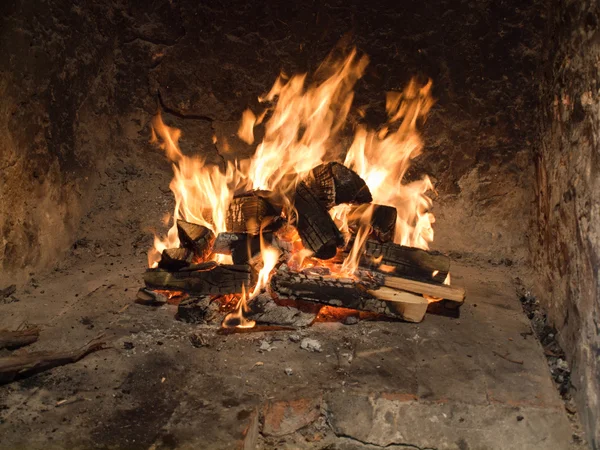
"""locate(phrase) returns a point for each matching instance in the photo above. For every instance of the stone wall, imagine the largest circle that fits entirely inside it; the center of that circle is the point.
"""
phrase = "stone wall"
(53, 64)
(567, 245)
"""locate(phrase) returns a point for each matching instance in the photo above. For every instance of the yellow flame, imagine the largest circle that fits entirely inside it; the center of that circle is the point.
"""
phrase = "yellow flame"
(302, 124)
(237, 317)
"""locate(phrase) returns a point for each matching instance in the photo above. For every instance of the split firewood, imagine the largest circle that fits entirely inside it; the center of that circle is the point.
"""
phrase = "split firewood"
(383, 221)
(408, 261)
(18, 338)
(333, 184)
(247, 212)
(442, 291)
(315, 226)
(195, 237)
(218, 280)
(21, 365)
(346, 293)
(175, 258)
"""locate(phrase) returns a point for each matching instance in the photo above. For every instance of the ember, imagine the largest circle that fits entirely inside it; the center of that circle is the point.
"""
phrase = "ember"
(297, 222)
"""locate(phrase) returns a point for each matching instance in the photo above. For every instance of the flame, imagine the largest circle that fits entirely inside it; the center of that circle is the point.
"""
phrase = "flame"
(237, 317)
(303, 118)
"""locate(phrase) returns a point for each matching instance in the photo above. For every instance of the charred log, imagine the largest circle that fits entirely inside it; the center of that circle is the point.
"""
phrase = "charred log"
(383, 221)
(317, 230)
(347, 293)
(441, 291)
(244, 247)
(247, 212)
(218, 280)
(408, 261)
(175, 258)
(333, 184)
(195, 237)
(198, 310)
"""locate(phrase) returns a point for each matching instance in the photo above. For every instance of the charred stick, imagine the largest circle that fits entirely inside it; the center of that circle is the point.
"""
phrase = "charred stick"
(18, 338)
(249, 211)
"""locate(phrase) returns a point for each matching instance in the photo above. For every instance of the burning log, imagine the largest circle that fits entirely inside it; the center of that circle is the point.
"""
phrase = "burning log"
(18, 338)
(347, 293)
(26, 364)
(409, 261)
(244, 247)
(317, 230)
(195, 237)
(383, 221)
(333, 184)
(175, 258)
(201, 279)
(247, 212)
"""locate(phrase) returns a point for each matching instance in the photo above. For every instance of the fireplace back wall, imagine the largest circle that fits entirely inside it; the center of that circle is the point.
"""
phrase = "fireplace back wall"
(80, 84)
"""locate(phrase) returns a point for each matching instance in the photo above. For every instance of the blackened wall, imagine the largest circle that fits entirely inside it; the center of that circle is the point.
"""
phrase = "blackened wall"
(567, 245)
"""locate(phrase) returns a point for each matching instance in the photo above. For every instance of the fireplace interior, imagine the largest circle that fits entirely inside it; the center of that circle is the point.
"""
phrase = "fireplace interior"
(339, 225)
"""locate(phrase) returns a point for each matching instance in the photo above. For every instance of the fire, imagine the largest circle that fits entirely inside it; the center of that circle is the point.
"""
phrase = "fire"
(303, 122)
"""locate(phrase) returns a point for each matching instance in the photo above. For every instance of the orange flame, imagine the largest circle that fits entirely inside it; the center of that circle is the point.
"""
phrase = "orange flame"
(237, 317)
(302, 125)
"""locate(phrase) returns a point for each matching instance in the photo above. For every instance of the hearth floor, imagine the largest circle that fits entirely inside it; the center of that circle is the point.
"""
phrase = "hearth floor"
(477, 382)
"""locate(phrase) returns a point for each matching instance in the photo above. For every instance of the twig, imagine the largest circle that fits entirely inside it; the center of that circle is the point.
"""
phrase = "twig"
(507, 358)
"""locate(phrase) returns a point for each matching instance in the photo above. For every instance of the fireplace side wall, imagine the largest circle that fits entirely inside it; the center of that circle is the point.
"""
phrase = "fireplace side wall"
(54, 71)
(567, 245)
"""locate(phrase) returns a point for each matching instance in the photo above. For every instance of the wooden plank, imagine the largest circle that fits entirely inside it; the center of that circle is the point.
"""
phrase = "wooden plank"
(215, 279)
(412, 307)
(454, 293)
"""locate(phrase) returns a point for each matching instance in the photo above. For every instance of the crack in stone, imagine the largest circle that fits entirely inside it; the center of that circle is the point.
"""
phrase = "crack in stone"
(393, 445)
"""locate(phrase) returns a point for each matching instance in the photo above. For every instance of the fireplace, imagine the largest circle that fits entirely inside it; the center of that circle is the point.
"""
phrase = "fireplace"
(342, 225)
